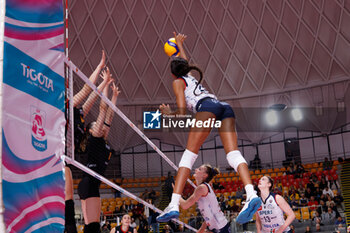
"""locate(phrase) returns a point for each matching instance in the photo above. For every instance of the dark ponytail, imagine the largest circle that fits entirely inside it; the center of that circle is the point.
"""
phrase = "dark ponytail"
(200, 77)
(83, 144)
(211, 171)
(180, 67)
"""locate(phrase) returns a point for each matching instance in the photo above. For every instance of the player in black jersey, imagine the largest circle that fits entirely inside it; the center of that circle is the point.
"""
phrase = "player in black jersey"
(98, 153)
(124, 227)
(79, 113)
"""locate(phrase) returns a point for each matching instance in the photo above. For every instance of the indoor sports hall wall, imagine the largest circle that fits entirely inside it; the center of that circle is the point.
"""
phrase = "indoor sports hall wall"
(137, 162)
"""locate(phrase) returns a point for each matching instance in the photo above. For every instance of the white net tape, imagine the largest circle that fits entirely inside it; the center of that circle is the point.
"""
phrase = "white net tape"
(120, 189)
(122, 115)
(70, 159)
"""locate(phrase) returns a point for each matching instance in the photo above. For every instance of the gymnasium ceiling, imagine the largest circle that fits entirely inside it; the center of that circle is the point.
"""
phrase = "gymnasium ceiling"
(254, 53)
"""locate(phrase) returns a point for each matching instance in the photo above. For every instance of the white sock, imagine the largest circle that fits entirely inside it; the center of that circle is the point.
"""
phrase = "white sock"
(175, 199)
(249, 188)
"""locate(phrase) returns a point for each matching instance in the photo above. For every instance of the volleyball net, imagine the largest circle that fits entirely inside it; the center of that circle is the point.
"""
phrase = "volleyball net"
(75, 81)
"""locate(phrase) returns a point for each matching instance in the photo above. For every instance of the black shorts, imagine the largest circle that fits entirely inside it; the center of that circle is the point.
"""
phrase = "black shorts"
(221, 110)
(89, 187)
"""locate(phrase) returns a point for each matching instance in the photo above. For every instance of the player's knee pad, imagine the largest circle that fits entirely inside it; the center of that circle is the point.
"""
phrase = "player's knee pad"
(93, 227)
(188, 158)
(235, 158)
(69, 212)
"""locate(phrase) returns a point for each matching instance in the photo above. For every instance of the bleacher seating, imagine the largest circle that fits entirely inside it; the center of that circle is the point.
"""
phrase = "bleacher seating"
(230, 182)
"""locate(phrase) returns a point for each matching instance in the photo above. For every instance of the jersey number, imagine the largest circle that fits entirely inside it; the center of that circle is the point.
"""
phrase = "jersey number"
(200, 87)
(267, 219)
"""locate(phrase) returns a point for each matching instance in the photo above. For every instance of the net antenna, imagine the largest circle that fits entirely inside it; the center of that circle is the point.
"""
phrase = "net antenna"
(70, 136)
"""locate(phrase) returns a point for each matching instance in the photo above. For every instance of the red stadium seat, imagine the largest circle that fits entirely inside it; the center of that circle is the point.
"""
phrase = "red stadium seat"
(319, 173)
(231, 174)
(284, 182)
(296, 184)
(325, 172)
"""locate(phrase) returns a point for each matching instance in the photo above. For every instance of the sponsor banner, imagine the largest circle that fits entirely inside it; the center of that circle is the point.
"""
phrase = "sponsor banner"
(33, 121)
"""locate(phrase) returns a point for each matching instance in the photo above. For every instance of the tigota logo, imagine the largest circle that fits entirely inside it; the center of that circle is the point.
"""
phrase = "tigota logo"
(39, 138)
(37, 79)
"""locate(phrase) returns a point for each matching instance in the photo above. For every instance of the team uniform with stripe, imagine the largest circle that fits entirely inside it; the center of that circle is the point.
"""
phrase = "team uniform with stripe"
(200, 100)
(191, 98)
(271, 215)
(118, 229)
(211, 212)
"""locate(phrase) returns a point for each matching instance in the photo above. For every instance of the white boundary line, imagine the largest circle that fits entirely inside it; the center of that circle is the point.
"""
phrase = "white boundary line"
(121, 114)
(115, 186)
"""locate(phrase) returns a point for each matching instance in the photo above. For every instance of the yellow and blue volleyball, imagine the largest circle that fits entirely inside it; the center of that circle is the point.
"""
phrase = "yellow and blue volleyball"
(171, 49)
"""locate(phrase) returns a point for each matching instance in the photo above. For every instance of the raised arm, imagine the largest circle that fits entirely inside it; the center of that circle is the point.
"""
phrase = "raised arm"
(110, 113)
(85, 91)
(97, 130)
(180, 38)
(107, 77)
(179, 88)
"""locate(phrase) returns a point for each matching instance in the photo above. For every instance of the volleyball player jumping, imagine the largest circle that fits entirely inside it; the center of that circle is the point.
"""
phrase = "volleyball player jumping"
(190, 92)
(98, 156)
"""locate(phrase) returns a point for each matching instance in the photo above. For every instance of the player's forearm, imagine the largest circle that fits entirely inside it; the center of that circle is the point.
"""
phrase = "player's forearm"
(94, 76)
(92, 98)
(202, 228)
(182, 51)
(85, 91)
(110, 111)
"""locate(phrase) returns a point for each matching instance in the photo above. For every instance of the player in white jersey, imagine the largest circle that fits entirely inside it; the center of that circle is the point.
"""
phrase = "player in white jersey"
(206, 200)
(189, 92)
(270, 216)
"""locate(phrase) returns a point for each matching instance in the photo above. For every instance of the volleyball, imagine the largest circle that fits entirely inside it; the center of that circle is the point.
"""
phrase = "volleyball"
(170, 48)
